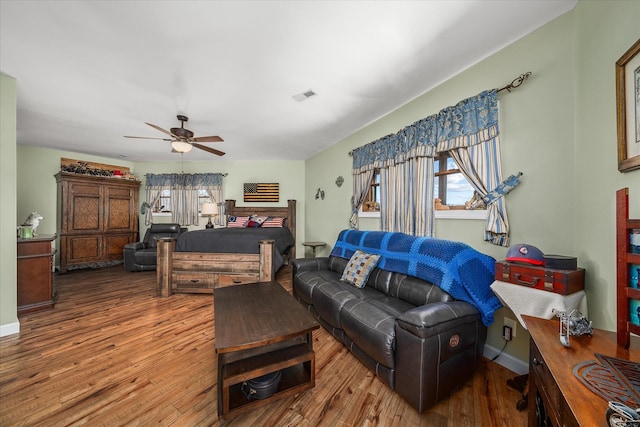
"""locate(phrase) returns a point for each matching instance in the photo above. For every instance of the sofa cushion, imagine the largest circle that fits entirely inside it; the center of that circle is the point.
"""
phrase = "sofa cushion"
(359, 267)
(391, 305)
(337, 264)
(380, 279)
(416, 291)
(371, 328)
(329, 298)
(307, 281)
(387, 375)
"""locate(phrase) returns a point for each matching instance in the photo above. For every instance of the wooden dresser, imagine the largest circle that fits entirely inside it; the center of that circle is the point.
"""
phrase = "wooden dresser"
(97, 217)
(35, 268)
(555, 394)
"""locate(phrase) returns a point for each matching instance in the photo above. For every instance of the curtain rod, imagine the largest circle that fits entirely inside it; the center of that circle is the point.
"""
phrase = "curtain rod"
(514, 84)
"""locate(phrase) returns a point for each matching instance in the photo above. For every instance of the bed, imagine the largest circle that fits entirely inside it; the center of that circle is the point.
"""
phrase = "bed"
(202, 260)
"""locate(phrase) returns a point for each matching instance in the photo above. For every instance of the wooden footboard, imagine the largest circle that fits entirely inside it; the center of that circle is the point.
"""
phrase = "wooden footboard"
(199, 272)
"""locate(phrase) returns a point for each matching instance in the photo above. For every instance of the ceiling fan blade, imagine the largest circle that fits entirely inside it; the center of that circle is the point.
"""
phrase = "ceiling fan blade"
(208, 139)
(162, 130)
(209, 149)
(146, 137)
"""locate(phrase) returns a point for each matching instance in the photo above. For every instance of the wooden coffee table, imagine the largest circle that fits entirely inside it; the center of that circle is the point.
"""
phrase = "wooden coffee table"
(260, 328)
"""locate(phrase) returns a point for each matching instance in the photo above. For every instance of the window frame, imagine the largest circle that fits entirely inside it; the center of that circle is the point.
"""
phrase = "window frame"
(374, 189)
(454, 211)
(203, 197)
(442, 175)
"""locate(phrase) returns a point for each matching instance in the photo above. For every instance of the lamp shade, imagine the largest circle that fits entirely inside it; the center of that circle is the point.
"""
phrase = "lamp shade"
(209, 209)
(181, 146)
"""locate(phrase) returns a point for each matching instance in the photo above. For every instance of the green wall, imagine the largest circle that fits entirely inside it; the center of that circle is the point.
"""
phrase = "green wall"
(558, 128)
(37, 186)
(37, 190)
(8, 294)
(290, 174)
(604, 31)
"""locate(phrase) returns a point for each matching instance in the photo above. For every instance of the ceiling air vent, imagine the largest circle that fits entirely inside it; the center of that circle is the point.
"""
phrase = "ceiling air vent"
(304, 95)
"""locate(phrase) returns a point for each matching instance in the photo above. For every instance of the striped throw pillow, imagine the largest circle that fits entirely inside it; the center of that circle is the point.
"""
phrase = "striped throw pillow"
(237, 221)
(273, 222)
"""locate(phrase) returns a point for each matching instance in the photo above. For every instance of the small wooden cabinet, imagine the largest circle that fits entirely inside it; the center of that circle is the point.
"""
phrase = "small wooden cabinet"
(556, 396)
(97, 217)
(35, 268)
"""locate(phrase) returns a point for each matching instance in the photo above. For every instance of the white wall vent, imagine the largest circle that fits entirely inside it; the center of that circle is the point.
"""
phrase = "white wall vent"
(304, 95)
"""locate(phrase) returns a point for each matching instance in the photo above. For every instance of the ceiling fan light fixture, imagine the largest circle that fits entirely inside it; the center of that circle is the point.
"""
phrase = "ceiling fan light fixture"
(181, 146)
(182, 140)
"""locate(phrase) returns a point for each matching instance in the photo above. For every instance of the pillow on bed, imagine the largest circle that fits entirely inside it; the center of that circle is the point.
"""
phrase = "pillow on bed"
(273, 222)
(237, 221)
(256, 221)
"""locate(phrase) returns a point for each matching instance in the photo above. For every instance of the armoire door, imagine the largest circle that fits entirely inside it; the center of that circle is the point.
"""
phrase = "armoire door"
(84, 210)
(120, 209)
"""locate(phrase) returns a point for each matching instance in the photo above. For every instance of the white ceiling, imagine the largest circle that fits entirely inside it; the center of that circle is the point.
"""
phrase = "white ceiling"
(90, 72)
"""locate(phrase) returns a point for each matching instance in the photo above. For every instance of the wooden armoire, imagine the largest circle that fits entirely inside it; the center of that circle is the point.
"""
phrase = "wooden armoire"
(97, 216)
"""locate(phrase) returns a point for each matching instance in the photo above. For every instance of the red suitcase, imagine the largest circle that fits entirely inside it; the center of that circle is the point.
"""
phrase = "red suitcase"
(547, 279)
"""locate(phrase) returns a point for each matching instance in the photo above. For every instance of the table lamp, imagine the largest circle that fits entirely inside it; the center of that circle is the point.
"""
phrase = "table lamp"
(209, 209)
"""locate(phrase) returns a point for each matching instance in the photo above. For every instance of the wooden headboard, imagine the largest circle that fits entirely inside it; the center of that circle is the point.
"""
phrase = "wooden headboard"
(288, 212)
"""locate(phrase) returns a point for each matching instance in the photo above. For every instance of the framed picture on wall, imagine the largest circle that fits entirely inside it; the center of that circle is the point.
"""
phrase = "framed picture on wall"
(628, 108)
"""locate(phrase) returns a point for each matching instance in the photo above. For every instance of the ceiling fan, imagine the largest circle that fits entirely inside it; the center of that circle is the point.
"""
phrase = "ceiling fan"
(182, 140)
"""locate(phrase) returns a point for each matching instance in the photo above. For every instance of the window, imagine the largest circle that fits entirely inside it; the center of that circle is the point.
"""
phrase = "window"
(450, 186)
(372, 202)
(164, 202)
(163, 205)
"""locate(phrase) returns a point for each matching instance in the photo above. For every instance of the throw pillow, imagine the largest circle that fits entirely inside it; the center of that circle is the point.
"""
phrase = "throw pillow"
(359, 268)
(237, 221)
(257, 221)
(274, 222)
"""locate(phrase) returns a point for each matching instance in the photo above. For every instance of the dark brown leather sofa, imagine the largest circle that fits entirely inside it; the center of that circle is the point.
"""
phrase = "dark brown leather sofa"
(414, 336)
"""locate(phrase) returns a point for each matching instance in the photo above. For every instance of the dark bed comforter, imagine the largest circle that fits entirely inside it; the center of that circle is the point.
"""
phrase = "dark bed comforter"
(237, 240)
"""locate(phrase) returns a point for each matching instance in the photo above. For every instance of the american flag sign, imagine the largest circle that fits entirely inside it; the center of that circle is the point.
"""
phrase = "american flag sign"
(261, 192)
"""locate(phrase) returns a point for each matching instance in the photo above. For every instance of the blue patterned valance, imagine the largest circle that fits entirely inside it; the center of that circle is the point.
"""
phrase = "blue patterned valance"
(469, 122)
(184, 179)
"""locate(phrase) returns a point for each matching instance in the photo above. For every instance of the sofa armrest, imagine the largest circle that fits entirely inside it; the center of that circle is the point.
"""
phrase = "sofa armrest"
(438, 347)
(431, 319)
(136, 246)
(309, 264)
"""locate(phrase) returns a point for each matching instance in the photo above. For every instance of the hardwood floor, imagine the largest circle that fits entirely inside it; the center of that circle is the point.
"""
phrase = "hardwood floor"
(112, 353)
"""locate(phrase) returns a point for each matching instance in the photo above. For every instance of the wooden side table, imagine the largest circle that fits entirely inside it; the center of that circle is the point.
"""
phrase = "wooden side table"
(313, 246)
(34, 274)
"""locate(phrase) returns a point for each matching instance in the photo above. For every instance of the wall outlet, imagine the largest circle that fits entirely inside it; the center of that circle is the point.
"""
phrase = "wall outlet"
(512, 324)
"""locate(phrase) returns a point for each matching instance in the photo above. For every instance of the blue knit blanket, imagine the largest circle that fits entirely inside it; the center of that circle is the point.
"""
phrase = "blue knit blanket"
(463, 272)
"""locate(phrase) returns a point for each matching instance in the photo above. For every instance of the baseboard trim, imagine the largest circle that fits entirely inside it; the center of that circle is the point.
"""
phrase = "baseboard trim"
(9, 329)
(506, 360)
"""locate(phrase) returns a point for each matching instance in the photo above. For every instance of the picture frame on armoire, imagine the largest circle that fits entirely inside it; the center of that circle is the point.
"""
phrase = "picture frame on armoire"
(628, 108)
